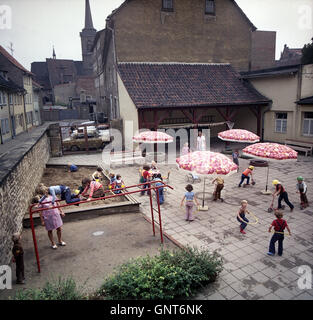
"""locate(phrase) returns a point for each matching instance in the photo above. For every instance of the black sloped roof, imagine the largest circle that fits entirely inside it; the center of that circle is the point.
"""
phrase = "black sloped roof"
(185, 85)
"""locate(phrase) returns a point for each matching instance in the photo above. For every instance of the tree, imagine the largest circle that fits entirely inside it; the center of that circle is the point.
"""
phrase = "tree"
(307, 53)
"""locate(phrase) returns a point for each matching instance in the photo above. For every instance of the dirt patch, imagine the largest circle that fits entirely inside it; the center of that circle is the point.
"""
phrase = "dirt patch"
(90, 255)
(59, 175)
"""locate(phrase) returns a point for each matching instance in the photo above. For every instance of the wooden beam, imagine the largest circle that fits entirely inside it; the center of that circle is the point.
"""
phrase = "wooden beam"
(222, 114)
(187, 115)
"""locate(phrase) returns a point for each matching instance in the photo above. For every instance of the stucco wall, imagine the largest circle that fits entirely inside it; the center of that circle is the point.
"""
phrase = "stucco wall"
(128, 112)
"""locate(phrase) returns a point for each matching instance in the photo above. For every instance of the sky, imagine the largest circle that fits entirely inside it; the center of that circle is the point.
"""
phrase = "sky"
(36, 25)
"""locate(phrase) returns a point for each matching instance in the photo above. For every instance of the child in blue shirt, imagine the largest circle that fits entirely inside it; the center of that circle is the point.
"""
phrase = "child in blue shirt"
(190, 199)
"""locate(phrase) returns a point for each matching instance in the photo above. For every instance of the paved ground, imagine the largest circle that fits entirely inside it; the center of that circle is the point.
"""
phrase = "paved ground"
(87, 257)
(249, 273)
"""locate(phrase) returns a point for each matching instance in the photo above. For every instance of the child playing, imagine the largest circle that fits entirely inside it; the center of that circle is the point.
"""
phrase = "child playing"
(112, 180)
(145, 178)
(218, 188)
(245, 175)
(190, 199)
(158, 177)
(63, 191)
(302, 188)
(118, 184)
(283, 195)
(235, 156)
(18, 258)
(97, 174)
(279, 226)
(72, 167)
(96, 189)
(241, 216)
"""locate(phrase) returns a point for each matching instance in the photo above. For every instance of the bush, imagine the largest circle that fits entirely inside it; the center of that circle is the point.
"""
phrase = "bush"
(169, 275)
(62, 289)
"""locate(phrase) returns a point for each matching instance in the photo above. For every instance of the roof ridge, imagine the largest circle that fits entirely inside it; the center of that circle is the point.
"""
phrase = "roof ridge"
(183, 63)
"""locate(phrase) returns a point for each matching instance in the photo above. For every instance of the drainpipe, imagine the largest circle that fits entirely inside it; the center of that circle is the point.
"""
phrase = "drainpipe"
(9, 109)
(25, 119)
(268, 108)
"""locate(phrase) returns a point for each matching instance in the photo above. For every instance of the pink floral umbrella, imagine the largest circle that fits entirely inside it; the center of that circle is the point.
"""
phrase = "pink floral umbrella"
(270, 152)
(207, 163)
(238, 135)
(152, 137)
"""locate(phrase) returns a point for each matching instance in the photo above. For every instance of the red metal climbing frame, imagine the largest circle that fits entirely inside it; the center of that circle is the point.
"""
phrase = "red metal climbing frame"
(155, 188)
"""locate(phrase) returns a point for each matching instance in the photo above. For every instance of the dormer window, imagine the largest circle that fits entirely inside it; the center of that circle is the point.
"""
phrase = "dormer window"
(209, 7)
(167, 5)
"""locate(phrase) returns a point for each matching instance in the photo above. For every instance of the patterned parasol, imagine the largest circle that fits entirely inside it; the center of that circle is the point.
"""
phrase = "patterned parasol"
(238, 135)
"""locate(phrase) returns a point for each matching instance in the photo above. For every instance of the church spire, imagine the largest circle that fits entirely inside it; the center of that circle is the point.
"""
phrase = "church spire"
(88, 18)
(53, 54)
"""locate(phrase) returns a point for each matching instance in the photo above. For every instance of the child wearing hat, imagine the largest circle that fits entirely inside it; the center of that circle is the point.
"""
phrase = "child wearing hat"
(245, 175)
(279, 226)
(18, 258)
(282, 193)
(302, 189)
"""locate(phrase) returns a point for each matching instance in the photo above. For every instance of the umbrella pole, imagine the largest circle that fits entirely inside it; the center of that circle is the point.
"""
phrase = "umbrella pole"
(268, 169)
(203, 208)
(203, 192)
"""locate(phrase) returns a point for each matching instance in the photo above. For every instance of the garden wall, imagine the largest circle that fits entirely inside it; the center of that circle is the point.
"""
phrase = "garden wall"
(21, 169)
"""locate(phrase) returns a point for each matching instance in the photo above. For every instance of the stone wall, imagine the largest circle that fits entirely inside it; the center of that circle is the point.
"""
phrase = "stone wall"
(16, 190)
(143, 32)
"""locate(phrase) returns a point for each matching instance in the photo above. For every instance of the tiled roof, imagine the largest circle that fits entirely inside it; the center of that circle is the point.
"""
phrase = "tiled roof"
(13, 61)
(308, 100)
(268, 72)
(9, 85)
(184, 85)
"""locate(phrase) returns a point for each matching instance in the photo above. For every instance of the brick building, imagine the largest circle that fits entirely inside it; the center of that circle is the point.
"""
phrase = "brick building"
(187, 32)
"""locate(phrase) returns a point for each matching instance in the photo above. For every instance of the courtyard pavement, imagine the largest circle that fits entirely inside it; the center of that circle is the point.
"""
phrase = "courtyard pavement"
(248, 272)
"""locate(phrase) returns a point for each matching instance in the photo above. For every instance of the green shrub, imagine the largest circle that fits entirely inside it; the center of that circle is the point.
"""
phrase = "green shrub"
(169, 275)
(61, 289)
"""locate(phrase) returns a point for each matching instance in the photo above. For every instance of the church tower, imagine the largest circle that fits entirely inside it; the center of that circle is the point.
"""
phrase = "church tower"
(87, 38)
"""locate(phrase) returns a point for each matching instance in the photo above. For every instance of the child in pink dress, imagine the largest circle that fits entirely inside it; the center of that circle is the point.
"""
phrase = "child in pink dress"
(51, 219)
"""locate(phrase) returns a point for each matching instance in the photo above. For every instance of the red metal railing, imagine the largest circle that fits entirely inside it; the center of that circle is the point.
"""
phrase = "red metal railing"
(156, 188)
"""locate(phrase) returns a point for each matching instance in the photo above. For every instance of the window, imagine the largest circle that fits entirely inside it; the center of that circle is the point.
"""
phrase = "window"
(11, 98)
(0, 97)
(281, 122)
(29, 117)
(167, 5)
(209, 7)
(5, 126)
(307, 129)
